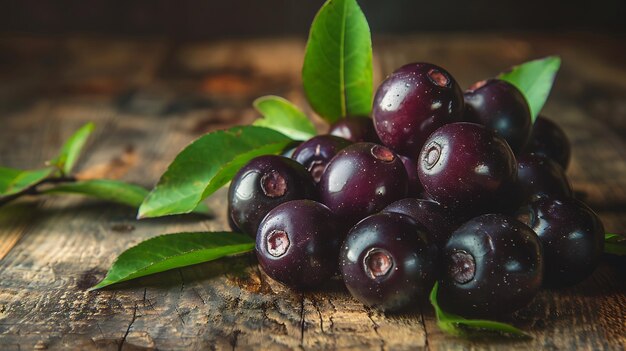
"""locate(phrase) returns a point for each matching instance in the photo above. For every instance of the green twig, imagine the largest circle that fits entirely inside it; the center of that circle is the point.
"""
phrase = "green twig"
(34, 189)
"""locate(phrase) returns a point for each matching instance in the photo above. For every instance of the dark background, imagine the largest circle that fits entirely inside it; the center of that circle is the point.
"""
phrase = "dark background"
(202, 19)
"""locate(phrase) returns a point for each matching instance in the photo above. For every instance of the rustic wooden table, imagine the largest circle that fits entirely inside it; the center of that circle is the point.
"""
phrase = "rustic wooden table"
(149, 98)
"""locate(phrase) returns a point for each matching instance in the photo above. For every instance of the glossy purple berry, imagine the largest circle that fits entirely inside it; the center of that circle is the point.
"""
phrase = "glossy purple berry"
(466, 166)
(362, 179)
(232, 225)
(501, 107)
(410, 165)
(315, 153)
(388, 261)
(290, 148)
(539, 175)
(262, 184)
(298, 244)
(548, 139)
(436, 218)
(492, 265)
(356, 129)
(572, 236)
(412, 103)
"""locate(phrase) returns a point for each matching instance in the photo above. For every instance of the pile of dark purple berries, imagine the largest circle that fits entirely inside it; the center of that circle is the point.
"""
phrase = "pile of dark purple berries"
(443, 185)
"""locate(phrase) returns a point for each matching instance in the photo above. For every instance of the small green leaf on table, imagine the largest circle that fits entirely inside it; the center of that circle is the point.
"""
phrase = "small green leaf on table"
(614, 244)
(67, 157)
(459, 326)
(171, 251)
(105, 189)
(337, 69)
(281, 115)
(207, 164)
(13, 181)
(534, 79)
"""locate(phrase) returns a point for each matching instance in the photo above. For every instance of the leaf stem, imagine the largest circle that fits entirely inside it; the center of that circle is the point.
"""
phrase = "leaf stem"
(34, 189)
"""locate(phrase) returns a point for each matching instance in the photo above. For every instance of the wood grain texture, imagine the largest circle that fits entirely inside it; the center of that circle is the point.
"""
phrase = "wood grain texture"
(151, 98)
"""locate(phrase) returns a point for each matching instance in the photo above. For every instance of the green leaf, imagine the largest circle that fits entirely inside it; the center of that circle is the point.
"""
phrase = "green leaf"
(534, 79)
(110, 190)
(459, 326)
(614, 244)
(70, 151)
(105, 189)
(171, 251)
(206, 164)
(281, 115)
(13, 181)
(337, 70)
(228, 170)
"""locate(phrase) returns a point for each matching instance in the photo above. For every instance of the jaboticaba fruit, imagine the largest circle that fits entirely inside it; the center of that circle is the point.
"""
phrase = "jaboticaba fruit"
(261, 185)
(315, 153)
(539, 175)
(572, 236)
(388, 261)
(466, 166)
(410, 165)
(362, 179)
(436, 218)
(493, 264)
(412, 103)
(298, 243)
(501, 107)
(355, 129)
(548, 139)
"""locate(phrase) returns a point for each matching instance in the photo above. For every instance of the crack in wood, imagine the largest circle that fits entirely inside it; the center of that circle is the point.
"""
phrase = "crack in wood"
(182, 280)
(423, 322)
(100, 329)
(319, 313)
(302, 319)
(331, 318)
(147, 302)
(375, 327)
(234, 338)
(234, 333)
(198, 295)
(180, 315)
(130, 325)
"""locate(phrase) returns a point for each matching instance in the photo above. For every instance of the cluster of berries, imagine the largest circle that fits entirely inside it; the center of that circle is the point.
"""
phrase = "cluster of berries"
(438, 185)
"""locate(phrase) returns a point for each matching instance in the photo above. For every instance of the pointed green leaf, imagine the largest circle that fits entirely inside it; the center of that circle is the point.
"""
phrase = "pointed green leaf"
(70, 151)
(534, 79)
(228, 170)
(459, 326)
(171, 251)
(337, 70)
(105, 189)
(206, 164)
(614, 244)
(109, 190)
(14, 180)
(283, 116)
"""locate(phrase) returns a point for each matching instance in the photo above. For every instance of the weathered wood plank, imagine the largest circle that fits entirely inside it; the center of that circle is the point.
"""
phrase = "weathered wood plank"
(149, 99)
